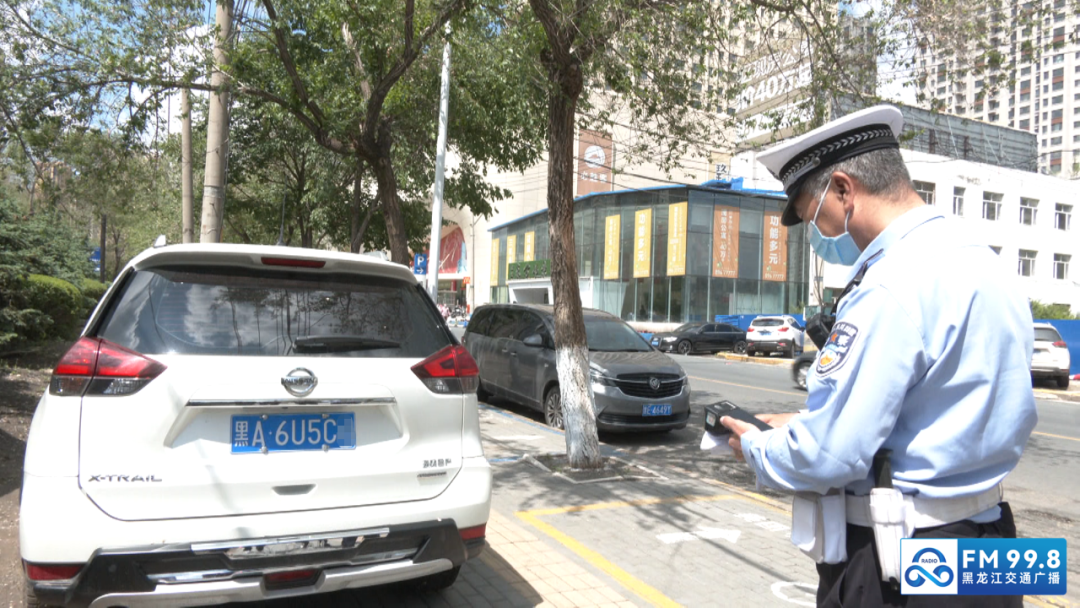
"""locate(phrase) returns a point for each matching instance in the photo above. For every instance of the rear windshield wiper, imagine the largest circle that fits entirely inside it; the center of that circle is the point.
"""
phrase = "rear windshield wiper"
(339, 343)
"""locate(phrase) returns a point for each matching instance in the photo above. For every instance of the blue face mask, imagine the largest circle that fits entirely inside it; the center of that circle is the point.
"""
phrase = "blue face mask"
(833, 249)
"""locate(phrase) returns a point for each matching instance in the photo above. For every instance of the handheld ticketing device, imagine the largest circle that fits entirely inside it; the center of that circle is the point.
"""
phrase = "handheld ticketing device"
(716, 411)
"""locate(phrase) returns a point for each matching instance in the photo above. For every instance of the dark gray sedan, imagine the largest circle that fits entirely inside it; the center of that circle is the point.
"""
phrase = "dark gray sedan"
(636, 388)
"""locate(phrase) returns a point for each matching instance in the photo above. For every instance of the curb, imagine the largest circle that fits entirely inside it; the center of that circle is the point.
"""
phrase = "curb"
(1070, 396)
(758, 360)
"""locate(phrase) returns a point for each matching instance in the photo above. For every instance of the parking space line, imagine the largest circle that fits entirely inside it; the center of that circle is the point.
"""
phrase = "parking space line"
(1055, 436)
(641, 589)
(756, 388)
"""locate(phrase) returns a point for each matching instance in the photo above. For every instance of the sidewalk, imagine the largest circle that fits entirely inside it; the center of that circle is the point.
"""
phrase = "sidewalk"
(662, 541)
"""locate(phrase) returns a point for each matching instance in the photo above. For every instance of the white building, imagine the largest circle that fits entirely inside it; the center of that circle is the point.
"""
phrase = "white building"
(1026, 217)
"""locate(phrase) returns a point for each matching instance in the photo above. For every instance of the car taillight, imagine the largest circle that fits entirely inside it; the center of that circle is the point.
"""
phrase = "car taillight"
(749, 330)
(291, 578)
(1060, 344)
(783, 329)
(51, 572)
(98, 367)
(451, 371)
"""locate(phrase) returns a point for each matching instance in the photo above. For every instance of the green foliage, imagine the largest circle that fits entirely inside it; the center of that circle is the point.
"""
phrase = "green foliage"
(60, 300)
(92, 291)
(1052, 312)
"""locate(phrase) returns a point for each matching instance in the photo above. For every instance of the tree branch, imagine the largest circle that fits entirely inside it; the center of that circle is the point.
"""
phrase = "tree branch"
(290, 66)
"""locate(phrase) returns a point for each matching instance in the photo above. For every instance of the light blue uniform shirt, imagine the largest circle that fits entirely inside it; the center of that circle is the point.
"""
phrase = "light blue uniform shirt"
(929, 358)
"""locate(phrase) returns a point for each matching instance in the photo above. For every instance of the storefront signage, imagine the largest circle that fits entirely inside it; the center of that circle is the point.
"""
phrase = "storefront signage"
(642, 242)
(612, 225)
(536, 269)
(676, 240)
(775, 255)
(530, 247)
(494, 262)
(511, 252)
(596, 155)
(725, 248)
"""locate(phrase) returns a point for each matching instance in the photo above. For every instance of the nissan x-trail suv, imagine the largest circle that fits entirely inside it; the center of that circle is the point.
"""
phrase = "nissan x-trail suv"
(242, 423)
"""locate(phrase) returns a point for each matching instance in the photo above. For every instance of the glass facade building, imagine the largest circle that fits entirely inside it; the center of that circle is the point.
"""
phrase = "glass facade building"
(668, 255)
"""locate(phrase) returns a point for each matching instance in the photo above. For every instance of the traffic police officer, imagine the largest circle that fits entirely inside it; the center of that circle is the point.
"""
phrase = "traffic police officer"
(926, 368)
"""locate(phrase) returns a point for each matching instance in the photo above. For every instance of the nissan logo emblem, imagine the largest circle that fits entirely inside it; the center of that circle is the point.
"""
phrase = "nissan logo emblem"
(299, 382)
(654, 384)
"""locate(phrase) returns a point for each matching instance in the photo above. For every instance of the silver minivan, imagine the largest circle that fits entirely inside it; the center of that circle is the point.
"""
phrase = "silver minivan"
(636, 387)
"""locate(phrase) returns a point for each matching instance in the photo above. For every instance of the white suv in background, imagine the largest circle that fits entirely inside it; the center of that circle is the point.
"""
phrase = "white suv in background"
(1051, 356)
(240, 423)
(779, 334)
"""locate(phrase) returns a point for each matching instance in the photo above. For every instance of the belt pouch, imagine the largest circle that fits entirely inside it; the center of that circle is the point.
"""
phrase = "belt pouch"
(887, 511)
(805, 535)
(834, 527)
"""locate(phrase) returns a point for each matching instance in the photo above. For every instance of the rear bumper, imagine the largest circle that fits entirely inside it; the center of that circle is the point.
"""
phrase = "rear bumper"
(1049, 372)
(59, 524)
(770, 346)
(183, 576)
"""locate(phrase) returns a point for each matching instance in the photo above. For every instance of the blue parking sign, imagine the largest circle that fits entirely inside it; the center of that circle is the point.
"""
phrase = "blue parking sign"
(420, 264)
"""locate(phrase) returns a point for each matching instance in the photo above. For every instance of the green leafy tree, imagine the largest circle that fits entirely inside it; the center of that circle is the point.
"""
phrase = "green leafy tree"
(1052, 312)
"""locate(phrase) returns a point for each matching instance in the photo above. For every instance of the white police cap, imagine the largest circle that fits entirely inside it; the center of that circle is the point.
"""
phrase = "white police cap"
(794, 160)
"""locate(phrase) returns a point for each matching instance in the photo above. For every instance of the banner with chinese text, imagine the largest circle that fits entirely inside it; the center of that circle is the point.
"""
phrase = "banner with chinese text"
(774, 267)
(676, 247)
(530, 247)
(642, 243)
(596, 156)
(611, 246)
(494, 262)
(511, 251)
(725, 243)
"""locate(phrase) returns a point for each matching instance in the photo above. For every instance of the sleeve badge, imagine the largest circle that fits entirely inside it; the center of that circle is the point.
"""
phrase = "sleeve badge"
(837, 349)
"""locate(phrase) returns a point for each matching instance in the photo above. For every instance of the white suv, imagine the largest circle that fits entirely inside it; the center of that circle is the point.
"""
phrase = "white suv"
(239, 423)
(780, 334)
(1051, 356)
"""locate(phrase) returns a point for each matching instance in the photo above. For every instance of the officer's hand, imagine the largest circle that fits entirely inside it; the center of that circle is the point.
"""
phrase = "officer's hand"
(776, 420)
(738, 428)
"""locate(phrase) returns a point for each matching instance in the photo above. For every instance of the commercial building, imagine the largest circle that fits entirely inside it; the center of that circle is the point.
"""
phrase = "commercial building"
(665, 255)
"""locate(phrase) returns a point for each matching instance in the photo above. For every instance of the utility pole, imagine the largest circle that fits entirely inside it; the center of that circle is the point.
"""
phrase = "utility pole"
(186, 184)
(434, 256)
(217, 130)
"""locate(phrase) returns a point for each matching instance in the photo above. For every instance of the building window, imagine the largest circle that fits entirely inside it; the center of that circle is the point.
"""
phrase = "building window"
(1061, 266)
(1062, 216)
(1025, 124)
(958, 201)
(925, 190)
(1055, 141)
(1027, 263)
(1028, 208)
(991, 206)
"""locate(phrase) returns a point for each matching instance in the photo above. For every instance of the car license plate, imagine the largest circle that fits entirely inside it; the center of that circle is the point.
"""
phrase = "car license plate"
(656, 342)
(766, 333)
(293, 432)
(656, 410)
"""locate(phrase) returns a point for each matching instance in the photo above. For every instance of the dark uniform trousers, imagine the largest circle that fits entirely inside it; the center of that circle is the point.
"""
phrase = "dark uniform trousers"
(857, 582)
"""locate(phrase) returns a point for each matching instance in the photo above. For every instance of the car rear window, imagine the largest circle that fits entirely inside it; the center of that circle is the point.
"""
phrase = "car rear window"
(1048, 334)
(767, 322)
(250, 312)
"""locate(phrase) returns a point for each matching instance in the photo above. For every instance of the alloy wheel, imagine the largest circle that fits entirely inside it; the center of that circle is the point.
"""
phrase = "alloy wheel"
(553, 412)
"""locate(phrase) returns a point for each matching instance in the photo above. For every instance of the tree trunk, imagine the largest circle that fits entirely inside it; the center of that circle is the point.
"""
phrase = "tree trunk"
(217, 131)
(104, 233)
(388, 199)
(187, 187)
(571, 348)
(359, 226)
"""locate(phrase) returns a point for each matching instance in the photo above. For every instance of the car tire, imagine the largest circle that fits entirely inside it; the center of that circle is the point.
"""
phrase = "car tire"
(438, 582)
(553, 412)
(801, 370)
(740, 347)
(684, 347)
(1063, 381)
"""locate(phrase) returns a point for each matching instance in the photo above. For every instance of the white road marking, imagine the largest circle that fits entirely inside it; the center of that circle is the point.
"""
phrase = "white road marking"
(731, 536)
(810, 592)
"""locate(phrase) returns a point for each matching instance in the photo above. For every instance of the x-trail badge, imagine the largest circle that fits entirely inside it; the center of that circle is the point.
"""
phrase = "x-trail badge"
(299, 382)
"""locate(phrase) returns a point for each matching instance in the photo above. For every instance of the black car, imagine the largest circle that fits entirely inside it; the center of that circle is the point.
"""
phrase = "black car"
(801, 367)
(701, 337)
(635, 387)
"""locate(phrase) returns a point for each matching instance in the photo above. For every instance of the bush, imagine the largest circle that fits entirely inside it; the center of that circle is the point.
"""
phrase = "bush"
(93, 291)
(60, 300)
